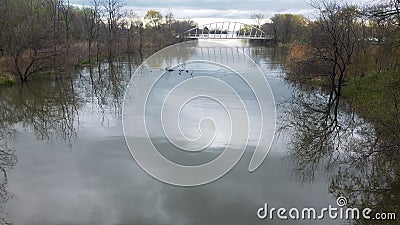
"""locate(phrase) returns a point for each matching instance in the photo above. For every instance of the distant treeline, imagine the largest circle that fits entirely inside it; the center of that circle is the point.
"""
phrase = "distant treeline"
(52, 35)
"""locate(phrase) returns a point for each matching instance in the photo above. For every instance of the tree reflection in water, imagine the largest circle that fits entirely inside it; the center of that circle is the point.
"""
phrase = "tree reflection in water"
(327, 135)
(103, 88)
(49, 107)
(7, 161)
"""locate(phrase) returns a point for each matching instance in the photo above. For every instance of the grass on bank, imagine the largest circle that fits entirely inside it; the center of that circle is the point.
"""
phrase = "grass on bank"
(6, 79)
(377, 98)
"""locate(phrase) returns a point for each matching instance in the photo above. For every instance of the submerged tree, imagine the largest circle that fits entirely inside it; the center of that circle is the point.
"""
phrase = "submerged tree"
(28, 36)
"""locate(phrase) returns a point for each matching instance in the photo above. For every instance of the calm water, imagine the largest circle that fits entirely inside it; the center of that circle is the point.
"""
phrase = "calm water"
(66, 160)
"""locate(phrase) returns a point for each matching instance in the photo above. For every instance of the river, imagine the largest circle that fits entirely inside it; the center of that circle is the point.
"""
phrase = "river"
(66, 161)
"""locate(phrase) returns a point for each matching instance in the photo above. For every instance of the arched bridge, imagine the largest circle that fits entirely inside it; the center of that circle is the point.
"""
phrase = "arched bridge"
(226, 30)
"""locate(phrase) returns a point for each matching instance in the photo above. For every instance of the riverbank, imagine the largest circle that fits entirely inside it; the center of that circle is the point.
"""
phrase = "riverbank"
(6, 79)
(376, 98)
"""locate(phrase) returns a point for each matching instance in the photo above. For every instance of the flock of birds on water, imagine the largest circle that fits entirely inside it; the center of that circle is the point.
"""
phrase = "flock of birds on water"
(180, 71)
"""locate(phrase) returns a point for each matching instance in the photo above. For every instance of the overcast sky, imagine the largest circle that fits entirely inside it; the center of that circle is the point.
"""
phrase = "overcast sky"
(210, 10)
(206, 11)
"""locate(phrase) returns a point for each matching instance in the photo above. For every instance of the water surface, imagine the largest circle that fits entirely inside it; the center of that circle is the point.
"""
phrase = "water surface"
(69, 163)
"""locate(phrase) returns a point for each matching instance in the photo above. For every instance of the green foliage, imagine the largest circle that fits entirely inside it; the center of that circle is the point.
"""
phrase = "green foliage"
(153, 18)
(6, 81)
(377, 98)
(246, 29)
(289, 27)
(84, 62)
(372, 91)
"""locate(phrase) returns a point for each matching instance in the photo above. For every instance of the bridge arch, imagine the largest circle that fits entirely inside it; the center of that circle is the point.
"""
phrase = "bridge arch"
(226, 30)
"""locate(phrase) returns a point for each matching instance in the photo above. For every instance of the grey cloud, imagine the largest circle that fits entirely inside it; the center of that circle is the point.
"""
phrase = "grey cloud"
(231, 9)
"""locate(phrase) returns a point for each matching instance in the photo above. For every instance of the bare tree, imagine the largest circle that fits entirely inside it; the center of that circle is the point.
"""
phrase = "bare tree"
(387, 11)
(29, 38)
(334, 39)
(169, 19)
(112, 10)
(66, 12)
(258, 19)
(134, 25)
(92, 21)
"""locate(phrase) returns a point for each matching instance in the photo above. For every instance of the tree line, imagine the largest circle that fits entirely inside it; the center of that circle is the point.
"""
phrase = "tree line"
(346, 40)
(52, 35)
